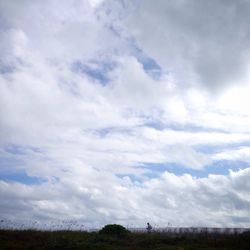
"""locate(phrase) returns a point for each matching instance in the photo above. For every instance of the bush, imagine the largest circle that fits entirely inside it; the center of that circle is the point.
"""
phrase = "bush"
(114, 230)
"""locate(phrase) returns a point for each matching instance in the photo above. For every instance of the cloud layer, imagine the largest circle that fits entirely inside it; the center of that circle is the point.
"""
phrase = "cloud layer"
(103, 120)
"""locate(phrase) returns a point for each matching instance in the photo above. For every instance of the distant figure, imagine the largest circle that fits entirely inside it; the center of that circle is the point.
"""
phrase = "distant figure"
(149, 227)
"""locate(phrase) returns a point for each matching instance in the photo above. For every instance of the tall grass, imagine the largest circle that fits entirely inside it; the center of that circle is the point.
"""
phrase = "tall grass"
(74, 240)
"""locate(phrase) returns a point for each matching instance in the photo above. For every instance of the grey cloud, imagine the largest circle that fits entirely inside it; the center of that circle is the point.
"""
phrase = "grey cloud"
(204, 42)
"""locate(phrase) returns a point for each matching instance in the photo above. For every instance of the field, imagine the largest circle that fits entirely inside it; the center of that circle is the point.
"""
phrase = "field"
(73, 240)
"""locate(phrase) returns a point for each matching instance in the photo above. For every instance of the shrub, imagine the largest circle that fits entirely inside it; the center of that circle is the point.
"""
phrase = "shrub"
(114, 230)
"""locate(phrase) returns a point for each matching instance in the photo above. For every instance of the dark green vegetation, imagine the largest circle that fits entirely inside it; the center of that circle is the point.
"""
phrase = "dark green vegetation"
(114, 230)
(70, 240)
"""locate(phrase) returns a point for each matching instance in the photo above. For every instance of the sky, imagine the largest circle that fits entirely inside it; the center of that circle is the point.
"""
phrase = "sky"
(125, 112)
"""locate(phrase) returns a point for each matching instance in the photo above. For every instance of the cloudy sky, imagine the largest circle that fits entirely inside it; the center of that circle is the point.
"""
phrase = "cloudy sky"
(125, 112)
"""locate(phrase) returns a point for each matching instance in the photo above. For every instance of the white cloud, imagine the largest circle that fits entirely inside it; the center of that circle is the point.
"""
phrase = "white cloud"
(93, 196)
(78, 133)
(238, 154)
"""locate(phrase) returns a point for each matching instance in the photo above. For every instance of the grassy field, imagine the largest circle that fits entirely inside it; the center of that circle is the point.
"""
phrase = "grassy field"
(71, 240)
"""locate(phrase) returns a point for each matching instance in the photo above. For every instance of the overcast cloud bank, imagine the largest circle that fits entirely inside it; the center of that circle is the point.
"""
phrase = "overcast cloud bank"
(110, 109)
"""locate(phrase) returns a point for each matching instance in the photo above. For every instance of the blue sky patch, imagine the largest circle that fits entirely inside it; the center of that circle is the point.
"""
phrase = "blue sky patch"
(96, 70)
(216, 168)
(9, 163)
(21, 177)
(159, 125)
(150, 66)
(212, 149)
(6, 69)
(112, 130)
(20, 150)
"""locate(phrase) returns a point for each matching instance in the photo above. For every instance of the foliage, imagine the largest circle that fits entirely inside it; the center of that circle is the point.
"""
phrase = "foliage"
(114, 230)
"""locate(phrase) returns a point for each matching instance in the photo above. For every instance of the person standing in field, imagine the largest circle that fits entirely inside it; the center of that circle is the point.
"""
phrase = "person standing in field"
(149, 228)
